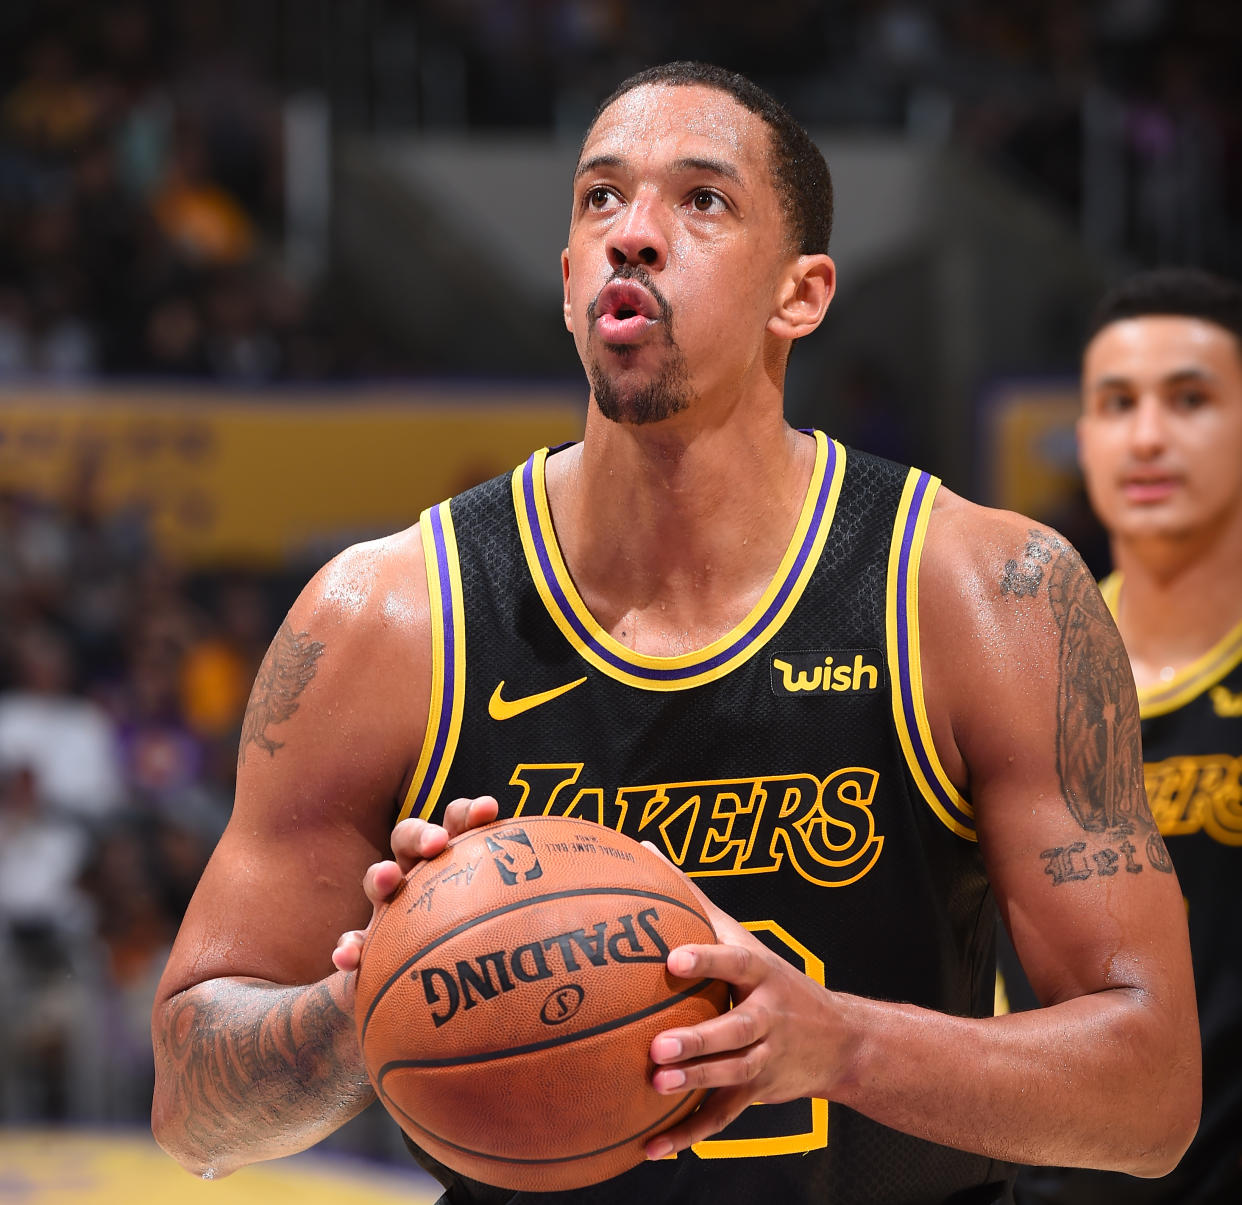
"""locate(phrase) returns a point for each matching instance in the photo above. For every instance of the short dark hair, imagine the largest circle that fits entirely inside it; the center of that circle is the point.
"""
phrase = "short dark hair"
(1178, 292)
(799, 172)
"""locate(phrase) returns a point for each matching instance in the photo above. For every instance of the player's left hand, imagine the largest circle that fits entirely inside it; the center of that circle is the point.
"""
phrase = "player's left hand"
(781, 1040)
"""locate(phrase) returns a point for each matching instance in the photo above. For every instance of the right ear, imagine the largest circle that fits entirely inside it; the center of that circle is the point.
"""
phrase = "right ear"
(565, 303)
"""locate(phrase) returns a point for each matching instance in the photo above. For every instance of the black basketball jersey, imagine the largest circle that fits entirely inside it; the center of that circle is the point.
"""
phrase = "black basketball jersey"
(1192, 756)
(787, 767)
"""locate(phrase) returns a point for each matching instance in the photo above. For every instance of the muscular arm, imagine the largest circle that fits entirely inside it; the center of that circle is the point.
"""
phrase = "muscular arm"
(1038, 719)
(250, 1070)
(255, 1048)
(1033, 713)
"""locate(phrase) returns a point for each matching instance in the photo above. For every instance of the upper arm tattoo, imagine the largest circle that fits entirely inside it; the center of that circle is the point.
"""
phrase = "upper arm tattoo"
(286, 670)
(1098, 748)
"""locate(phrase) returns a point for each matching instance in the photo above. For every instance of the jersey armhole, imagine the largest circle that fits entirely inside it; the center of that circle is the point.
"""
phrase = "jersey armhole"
(951, 808)
(448, 662)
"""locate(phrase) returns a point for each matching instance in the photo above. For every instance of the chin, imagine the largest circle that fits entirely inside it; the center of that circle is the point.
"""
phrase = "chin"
(640, 402)
(638, 413)
(1155, 527)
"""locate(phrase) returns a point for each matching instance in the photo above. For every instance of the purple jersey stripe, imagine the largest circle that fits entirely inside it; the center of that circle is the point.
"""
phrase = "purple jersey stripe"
(659, 674)
(449, 693)
(903, 659)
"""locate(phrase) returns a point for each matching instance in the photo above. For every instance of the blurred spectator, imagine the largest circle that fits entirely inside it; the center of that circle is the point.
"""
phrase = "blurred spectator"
(45, 922)
(42, 855)
(67, 741)
(202, 220)
(136, 894)
(34, 552)
(220, 666)
(51, 110)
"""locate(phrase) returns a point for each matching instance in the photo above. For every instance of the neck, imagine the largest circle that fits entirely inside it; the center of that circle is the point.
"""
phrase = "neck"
(1178, 598)
(673, 530)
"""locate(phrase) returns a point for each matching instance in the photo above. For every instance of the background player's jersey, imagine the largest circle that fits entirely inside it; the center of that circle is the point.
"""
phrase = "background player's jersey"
(787, 767)
(1192, 756)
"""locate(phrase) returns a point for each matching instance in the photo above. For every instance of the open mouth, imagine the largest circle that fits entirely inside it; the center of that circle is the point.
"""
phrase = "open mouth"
(625, 311)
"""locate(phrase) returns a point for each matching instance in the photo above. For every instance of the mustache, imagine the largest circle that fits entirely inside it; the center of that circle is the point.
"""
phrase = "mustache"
(639, 274)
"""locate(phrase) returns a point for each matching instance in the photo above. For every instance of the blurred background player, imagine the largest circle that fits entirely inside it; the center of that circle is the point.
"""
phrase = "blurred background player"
(1160, 443)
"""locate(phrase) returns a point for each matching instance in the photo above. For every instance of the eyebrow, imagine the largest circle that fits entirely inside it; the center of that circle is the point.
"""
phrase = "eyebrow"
(595, 163)
(716, 167)
(1178, 377)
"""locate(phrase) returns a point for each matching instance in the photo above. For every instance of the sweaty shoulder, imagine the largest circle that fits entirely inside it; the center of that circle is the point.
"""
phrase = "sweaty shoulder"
(1012, 623)
(969, 543)
(348, 670)
(379, 584)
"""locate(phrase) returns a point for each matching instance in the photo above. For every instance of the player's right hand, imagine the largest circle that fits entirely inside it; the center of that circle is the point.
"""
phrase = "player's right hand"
(413, 841)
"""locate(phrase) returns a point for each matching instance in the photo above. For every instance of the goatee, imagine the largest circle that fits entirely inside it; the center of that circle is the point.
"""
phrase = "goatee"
(649, 401)
(644, 402)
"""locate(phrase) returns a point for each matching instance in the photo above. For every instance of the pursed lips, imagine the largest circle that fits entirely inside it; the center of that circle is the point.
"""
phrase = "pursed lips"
(624, 311)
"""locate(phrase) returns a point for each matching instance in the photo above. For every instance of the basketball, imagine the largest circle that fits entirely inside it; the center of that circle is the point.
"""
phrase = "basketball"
(508, 993)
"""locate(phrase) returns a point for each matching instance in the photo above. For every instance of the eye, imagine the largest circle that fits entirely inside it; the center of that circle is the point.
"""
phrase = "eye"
(705, 200)
(598, 198)
(1189, 399)
(1115, 403)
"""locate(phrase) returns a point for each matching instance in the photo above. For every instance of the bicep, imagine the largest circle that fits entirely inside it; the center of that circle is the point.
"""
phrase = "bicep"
(328, 741)
(1046, 720)
(271, 908)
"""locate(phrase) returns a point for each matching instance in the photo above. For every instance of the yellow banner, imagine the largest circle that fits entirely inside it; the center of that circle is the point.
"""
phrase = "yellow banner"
(1029, 447)
(267, 479)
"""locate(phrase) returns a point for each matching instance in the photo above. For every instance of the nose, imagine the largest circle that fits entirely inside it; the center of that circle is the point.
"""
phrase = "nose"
(1147, 432)
(638, 237)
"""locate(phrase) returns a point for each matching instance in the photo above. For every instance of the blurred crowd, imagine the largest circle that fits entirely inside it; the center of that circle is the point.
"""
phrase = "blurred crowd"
(142, 161)
(122, 687)
(1124, 113)
(141, 206)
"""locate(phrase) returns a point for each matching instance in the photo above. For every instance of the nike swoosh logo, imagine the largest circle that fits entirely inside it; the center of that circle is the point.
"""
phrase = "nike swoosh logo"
(506, 709)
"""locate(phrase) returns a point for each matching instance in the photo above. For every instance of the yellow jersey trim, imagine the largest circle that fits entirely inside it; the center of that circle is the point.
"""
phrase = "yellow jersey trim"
(448, 662)
(905, 663)
(1190, 681)
(601, 650)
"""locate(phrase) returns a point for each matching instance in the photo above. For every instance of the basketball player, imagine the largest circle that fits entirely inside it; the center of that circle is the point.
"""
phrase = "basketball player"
(1160, 442)
(853, 707)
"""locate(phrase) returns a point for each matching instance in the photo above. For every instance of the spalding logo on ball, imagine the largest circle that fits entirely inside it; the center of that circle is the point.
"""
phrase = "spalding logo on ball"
(508, 994)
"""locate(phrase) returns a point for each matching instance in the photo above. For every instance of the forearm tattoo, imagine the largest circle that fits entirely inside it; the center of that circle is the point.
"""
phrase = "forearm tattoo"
(286, 671)
(258, 1059)
(1098, 749)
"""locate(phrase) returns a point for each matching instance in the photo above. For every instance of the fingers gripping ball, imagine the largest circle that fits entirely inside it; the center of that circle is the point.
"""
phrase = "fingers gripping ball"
(508, 993)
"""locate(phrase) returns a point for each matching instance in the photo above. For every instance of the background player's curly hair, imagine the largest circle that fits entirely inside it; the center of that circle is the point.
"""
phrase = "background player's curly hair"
(801, 175)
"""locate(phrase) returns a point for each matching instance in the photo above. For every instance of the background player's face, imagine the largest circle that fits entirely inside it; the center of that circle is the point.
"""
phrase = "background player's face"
(1160, 437)
(676, 247)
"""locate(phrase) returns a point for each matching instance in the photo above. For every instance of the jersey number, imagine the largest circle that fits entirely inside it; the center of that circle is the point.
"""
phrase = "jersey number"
(786, 1129)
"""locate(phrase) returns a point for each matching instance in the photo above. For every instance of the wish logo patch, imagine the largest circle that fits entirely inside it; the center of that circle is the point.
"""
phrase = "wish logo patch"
(842, 672)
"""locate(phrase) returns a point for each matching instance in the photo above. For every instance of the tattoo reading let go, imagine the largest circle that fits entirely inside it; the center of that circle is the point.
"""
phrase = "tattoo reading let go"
(1098, 755)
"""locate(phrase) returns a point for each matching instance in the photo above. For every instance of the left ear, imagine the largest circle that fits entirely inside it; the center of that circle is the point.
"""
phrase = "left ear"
(803, 297)
(565, 298)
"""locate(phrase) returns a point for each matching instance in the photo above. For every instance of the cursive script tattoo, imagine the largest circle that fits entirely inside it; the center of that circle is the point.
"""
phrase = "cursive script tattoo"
(286, 670)
(1098, 750)
(253, 1052)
